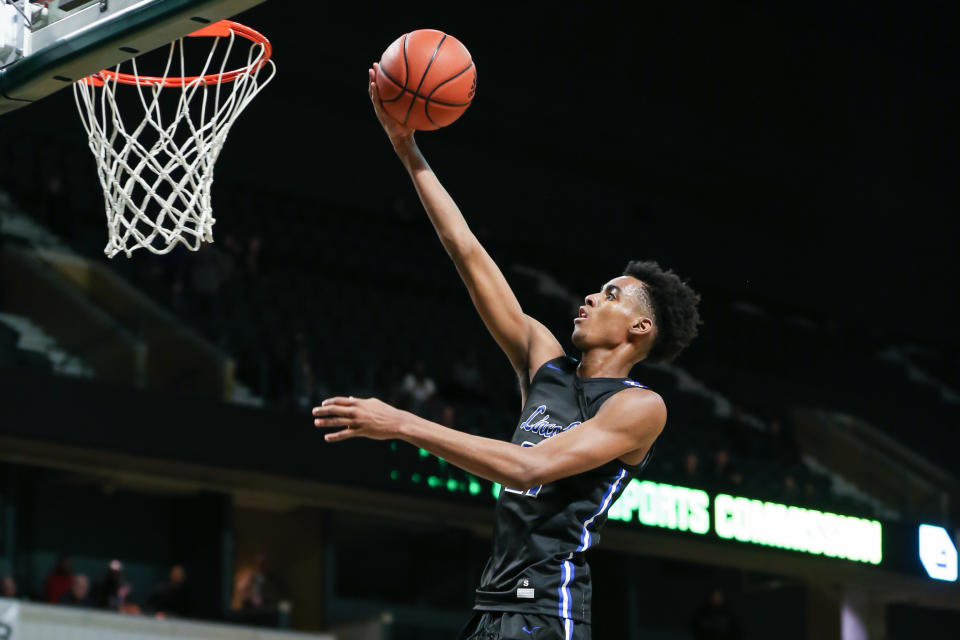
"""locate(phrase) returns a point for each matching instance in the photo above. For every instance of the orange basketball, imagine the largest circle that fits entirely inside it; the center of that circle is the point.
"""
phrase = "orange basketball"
(426, 79)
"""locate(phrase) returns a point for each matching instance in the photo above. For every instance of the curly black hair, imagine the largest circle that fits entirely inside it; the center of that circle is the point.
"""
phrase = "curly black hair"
(674, 306)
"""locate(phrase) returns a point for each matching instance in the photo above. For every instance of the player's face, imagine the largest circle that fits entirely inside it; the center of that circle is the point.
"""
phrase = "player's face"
(606, 317)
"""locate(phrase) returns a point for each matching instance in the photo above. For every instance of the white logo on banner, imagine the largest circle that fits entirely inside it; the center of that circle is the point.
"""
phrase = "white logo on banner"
(938, 553)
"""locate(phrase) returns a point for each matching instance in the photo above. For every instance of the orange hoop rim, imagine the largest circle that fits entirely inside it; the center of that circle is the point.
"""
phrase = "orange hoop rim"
(219, 29)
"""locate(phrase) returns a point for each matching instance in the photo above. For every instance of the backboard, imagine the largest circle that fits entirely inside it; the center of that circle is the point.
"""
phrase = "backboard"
(47, 45)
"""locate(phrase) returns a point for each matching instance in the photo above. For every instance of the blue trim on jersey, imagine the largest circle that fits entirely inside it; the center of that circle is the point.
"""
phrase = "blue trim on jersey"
(634, 383)
(565, 606)
(553, 366)
(567, 567)
(604, 504)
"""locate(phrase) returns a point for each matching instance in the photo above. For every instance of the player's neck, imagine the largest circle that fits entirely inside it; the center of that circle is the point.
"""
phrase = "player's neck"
(605, 363)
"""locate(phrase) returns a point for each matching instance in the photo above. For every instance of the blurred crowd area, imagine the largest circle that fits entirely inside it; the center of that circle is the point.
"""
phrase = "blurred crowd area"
(260, 597)
(314, 300)
(109, 591)
(258, 593)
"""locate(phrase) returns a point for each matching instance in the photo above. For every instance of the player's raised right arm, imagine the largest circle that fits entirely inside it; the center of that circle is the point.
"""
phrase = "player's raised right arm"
(527, 343)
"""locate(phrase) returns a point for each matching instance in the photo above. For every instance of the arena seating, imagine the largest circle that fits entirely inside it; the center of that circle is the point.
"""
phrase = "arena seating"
(395, 299)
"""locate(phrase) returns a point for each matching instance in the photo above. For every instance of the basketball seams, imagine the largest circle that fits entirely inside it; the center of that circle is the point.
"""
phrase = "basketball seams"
(423, 77)
(446, 104)
(406, 66)
(453, 77)
(403, 89)
(440, 115)
(429, 55)
(415, 96)
(428, 99)
(406, 72)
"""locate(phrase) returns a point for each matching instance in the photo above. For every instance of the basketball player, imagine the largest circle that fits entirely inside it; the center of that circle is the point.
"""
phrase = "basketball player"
(585, 429)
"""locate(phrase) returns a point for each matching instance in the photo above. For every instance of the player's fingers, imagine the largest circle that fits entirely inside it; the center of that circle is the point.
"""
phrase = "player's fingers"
(343, 434)
(332, 421)
(375, 90)
(345, 411)
(345, 401)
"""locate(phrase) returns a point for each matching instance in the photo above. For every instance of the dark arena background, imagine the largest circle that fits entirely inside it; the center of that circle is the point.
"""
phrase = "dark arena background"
(796, 162)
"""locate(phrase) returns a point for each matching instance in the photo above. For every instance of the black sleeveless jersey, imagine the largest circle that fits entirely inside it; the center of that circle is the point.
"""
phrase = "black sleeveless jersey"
(537, 565)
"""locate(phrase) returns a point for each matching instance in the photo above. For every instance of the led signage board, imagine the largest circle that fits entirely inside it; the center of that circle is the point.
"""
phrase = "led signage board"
(751, 521)
(691, 511)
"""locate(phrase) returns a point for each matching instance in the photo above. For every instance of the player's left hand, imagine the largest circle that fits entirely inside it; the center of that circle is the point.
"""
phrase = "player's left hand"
(364, 417)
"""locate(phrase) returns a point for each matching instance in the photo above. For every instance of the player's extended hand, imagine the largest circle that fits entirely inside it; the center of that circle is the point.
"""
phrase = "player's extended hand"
(363, 417)
(396, 131)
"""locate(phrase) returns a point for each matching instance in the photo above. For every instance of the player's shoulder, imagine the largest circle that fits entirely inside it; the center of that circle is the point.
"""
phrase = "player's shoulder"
(637, 403)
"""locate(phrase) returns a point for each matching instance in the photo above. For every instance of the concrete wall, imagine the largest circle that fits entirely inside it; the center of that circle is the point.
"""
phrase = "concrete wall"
(27, 621)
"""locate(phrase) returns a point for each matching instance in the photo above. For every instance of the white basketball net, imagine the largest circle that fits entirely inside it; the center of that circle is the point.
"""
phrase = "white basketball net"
(156, 177)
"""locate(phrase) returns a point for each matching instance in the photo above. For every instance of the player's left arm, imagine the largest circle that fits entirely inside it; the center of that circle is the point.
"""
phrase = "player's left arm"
(628, 422)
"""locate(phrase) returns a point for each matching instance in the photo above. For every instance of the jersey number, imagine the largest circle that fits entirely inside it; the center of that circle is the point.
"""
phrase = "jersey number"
(532, 491)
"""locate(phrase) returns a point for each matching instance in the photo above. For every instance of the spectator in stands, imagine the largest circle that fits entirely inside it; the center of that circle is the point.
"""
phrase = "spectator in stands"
(735, 478)
(724, 475)
(467, 375)
(8, 587)
(209, 268)
(715, 620)
(448, 416)
(416, 389)
(251, 260)
(690, 472)
(233, 248)
(302, 378)
(58, 581)
(721, 462)
(113, 590)
(257, 589)
(790, 491)
(170, 598)
(79, 593)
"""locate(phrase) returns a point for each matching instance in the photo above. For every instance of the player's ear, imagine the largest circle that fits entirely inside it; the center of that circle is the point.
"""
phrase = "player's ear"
(642, 325)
